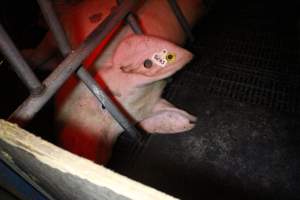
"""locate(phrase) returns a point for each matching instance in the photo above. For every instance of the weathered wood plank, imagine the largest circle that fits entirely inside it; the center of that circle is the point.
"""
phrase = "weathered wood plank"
(65, 175)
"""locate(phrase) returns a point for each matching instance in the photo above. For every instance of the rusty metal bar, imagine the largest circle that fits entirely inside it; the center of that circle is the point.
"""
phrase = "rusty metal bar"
(18, 64)
(181, 19)
(82, 73)
(26, 111)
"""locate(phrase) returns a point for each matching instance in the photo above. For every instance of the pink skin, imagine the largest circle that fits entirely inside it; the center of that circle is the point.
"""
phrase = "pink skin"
(87, 130)
(136, 89)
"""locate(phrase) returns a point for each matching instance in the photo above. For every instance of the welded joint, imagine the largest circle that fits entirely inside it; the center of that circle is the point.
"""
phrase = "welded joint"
(26, 111)
(65, 49)
(38, 91)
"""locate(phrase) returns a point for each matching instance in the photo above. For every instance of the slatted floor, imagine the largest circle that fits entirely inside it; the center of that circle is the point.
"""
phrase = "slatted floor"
(243, 85)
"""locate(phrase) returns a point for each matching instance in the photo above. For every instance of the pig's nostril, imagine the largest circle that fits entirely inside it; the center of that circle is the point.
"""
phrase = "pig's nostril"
(148, 63)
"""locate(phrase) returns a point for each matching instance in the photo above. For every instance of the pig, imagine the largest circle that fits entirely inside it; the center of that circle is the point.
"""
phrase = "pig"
(132, 69)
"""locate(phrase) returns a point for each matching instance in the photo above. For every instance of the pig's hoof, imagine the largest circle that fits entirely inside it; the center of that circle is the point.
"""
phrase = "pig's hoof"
(169, 122)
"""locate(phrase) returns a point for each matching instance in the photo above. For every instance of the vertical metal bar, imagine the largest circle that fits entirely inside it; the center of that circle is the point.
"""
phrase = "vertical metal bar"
(87, 79)
(181, 19)
(18, 64)
(132, 21)
(55, 27)
(54, 81)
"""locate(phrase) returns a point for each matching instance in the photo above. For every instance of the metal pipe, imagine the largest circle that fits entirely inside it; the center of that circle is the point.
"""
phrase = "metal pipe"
(55, 27)
(18, 64)
(181, 19)
(132, 21)
(65, 48)
(25, 112)
(108, 103)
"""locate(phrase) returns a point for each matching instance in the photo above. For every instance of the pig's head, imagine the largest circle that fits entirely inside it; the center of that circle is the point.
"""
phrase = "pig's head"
(139, 60)
(133, 76)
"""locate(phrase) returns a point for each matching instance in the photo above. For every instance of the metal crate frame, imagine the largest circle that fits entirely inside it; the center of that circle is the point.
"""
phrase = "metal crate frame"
(41, 92)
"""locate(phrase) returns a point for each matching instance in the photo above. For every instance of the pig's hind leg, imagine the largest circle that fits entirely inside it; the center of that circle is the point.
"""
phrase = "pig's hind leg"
(166, 118)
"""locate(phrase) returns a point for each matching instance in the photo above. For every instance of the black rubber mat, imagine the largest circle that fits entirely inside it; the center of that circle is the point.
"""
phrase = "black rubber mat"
(243, 86)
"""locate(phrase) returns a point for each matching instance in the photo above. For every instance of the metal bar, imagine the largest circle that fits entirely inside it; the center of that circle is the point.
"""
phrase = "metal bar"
(132, 21)
(87, 79)
(54, 81)
(18, 64)
(108, 103)
(55, 27)
(181, 19)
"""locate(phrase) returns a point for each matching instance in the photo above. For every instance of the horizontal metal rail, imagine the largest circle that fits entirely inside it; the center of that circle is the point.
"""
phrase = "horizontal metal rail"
(82, 73)
(18, 64)
(26, 111)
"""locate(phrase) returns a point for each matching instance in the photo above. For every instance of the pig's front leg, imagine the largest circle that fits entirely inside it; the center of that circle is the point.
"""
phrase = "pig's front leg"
(166, 118)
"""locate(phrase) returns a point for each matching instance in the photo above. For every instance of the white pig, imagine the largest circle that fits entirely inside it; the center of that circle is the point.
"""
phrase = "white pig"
(84, 127)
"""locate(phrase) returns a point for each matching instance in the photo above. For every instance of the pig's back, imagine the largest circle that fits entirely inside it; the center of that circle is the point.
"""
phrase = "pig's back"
(80, 17)
(157, 18)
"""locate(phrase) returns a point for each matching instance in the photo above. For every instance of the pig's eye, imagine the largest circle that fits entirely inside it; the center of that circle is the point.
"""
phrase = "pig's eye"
(148, 63)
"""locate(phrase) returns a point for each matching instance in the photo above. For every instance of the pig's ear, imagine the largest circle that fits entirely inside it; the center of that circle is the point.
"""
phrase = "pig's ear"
(150, 57)
(168, 119)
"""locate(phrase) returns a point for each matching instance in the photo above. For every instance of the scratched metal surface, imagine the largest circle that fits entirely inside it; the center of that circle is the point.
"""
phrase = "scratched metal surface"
(244, 88)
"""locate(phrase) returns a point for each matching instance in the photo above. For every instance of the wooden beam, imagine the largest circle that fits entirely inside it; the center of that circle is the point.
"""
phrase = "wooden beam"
(64, 175)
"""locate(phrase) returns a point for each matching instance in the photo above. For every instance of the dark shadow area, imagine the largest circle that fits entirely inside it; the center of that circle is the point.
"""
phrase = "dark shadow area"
(23, 22)
(243, 86)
